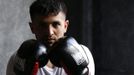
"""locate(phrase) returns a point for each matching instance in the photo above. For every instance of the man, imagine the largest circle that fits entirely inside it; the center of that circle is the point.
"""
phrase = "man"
(52, 53)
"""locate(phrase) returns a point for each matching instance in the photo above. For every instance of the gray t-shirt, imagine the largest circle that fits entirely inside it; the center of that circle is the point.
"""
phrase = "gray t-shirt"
(16, 65)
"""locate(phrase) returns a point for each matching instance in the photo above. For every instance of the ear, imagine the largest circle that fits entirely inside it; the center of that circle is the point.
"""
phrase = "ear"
(66, 25)
(32, 27)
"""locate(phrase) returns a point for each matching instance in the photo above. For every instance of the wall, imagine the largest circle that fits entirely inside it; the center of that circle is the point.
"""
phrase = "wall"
(14, 28)
(113, 37)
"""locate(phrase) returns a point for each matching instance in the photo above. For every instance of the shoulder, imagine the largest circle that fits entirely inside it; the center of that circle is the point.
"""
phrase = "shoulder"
(87, 52)
(88, 55)
(15, 65)
(9, 69)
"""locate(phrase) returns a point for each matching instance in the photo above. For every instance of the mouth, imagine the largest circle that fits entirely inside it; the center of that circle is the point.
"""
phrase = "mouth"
(50, 42)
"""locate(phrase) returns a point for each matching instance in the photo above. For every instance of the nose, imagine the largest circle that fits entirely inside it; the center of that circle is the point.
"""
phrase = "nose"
(50, 30)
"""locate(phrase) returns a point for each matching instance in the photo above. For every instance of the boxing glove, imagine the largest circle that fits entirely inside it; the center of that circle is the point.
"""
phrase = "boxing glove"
(66, 53)
(34, 54)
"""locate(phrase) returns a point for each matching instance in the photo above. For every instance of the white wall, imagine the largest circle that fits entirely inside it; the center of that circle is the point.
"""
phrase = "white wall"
(14, 29)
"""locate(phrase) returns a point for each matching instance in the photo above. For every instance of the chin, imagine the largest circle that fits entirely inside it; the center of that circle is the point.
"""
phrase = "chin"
(49, 45)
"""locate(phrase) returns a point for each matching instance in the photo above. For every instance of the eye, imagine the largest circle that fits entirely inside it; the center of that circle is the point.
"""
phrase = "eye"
(56, 24)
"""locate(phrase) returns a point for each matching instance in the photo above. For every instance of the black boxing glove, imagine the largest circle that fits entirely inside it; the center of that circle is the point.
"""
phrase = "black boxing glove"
(66, 53)
(35, 56)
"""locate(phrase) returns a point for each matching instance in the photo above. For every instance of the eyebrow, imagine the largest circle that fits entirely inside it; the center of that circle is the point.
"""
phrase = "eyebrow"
(56, 22)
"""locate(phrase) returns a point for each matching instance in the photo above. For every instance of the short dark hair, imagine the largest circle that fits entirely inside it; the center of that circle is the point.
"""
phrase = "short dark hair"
(47, 7)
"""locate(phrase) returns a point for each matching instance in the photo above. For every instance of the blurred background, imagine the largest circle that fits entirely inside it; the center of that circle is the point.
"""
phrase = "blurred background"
(106, 27)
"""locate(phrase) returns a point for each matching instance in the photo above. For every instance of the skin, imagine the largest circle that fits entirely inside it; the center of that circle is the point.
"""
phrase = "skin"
(48, 29)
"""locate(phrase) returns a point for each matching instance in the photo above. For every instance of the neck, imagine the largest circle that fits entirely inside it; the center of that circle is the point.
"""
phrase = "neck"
(50, 65)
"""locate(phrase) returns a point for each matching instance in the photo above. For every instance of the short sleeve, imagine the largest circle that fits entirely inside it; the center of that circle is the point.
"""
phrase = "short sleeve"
(88, 55)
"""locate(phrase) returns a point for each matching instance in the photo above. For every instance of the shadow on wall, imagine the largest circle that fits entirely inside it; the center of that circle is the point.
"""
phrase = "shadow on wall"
(113, 37)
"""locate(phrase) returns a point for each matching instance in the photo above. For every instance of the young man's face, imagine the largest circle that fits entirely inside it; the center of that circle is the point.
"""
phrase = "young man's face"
(48, 29)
